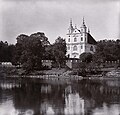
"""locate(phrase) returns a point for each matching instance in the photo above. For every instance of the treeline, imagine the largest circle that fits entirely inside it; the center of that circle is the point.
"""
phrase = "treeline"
(106, 50)
(29, 51)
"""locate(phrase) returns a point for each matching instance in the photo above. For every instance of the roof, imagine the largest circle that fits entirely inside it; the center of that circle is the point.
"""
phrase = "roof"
(91, 40)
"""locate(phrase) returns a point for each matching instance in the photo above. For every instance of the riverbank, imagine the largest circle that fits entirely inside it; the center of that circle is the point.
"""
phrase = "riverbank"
(58, 74)
(49, 77)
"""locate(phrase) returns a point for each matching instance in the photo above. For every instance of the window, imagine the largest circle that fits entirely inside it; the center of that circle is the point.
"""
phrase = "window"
(91, 48)
(75, 39)
(81, 38)
(68, 55)
(68, 47)
(75, 56)
(81, 47)
(74, 48)
(68, 39)
(81, 34)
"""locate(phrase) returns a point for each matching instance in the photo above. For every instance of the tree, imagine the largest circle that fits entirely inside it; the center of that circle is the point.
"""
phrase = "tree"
(6, 52)
(30, 50)
(42, 38)
(32, 54)
(45, 44)
(86, 57)
(19, 48)
(59, 51)
(107, 50)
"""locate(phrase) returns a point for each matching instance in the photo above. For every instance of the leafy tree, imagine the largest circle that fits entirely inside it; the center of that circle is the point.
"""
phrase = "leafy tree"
(86, 57)
(30, 50)
(59, 51)
(41, 37)
(6, 52)
(45, 44)
(19, 48)
(32, 54)
(48, 52)
(107, 50)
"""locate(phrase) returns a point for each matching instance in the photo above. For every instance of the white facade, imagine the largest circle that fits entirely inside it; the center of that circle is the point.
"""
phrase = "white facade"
(79, 41)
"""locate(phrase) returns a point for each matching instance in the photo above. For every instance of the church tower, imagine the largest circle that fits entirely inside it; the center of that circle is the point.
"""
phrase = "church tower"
(83, 31)
(70, 29)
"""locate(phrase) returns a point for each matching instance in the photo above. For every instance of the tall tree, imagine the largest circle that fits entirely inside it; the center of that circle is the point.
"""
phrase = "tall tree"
(32, 54)
(19, 48)
(30, 50)
(59, 51)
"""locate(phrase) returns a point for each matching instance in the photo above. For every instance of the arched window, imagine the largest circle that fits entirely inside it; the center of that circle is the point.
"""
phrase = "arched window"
(91, 48)
(68, 39)
(74, 48)
(75, 39)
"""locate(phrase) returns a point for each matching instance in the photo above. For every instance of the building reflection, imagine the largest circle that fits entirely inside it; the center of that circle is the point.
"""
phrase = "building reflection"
(73, 103)
(47, 109)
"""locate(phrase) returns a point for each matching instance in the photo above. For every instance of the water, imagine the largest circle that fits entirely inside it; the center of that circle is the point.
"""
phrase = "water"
(86, 97)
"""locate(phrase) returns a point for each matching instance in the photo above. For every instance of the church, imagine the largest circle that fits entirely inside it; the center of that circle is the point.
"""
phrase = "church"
(79, 40)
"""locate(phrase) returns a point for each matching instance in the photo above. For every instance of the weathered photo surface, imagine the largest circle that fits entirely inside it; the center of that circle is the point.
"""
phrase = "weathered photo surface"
(59, 57)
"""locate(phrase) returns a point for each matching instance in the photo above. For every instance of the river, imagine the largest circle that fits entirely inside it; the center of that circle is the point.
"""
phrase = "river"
(85, 97)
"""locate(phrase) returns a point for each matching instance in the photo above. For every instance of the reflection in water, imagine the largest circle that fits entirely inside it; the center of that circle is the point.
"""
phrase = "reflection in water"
(83, 98)
(74, 104)
(47, 109)
(7, 108)
(46, 89)
(112, 110)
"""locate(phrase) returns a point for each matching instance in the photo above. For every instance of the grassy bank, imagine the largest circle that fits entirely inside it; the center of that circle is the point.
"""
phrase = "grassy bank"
(63, 72)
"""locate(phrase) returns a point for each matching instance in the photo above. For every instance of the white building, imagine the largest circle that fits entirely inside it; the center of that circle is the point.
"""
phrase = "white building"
(79, 41)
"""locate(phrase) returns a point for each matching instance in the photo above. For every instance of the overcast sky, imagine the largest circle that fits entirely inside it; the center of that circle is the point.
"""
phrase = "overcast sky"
(52, 17)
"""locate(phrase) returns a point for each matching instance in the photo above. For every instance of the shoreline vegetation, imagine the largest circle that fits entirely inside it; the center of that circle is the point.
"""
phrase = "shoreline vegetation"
(59, 74)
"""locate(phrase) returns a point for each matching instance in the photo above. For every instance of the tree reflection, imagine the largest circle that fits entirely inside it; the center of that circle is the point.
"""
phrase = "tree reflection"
(41, 98)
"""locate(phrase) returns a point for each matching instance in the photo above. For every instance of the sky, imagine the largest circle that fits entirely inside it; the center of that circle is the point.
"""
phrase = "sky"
(53, 17)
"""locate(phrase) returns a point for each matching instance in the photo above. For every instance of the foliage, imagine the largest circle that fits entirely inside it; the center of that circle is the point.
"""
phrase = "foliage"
(86, 57)
(6, 52)
(42, 38)
(30, 50)
(59, 51)
(107, 50)
(48, 52)
(19, 48)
